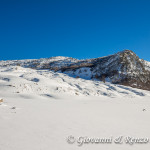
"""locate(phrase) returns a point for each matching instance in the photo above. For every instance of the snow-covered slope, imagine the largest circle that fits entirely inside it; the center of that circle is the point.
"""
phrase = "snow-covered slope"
(42, 108)
(45, 83)
(124, 68)
(45, 63)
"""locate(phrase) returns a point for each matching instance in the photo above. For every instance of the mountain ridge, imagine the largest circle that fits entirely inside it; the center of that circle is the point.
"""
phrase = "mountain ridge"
(124, 68)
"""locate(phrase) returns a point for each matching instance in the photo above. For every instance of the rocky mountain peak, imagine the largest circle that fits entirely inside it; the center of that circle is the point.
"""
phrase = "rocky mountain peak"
(131, 62)
(124, 68)
(126, 51)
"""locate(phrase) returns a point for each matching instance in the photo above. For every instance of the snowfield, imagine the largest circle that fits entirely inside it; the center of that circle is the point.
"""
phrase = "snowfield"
(41, 108)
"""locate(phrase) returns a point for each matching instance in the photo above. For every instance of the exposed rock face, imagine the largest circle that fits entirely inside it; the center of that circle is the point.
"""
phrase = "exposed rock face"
(124, 68)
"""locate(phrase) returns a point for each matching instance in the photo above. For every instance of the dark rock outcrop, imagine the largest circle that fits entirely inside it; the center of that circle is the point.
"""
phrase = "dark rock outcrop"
(124, 68)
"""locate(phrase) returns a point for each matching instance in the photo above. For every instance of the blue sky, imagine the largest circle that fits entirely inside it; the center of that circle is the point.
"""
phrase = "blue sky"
(75, 28)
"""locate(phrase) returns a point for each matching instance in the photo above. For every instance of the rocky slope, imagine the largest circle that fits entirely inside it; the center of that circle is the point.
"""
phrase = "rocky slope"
(124, 68)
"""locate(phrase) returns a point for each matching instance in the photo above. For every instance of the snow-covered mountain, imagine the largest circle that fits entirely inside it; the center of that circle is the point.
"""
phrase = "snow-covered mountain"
(40, 108)
(44, 83)
(43, 63)
(124, 68)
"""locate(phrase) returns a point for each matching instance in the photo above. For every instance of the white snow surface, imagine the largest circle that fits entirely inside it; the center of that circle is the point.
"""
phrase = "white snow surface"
(41, 108)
